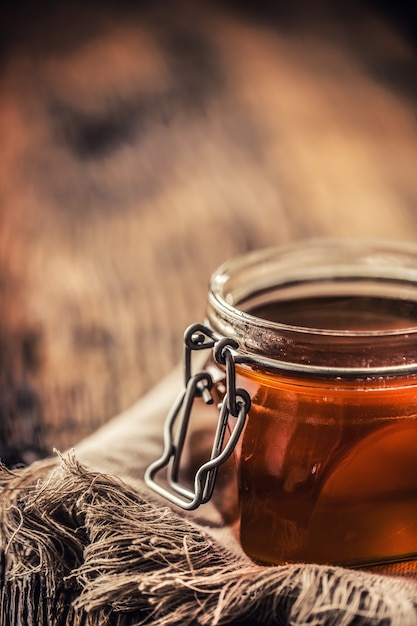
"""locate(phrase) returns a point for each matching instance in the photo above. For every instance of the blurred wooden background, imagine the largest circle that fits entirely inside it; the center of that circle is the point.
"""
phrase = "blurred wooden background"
(142, 143)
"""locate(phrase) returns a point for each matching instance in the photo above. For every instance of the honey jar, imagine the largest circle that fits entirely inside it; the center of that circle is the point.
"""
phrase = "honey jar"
(312, 369)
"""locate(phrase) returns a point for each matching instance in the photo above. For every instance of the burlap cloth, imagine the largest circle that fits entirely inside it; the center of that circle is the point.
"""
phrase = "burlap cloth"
(85, 542)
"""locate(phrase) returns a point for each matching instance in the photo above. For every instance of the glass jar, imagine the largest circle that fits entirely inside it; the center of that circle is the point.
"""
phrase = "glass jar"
(313, 361)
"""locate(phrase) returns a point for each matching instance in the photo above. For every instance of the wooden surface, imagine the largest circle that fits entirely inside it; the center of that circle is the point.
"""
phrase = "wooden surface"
(143, 145)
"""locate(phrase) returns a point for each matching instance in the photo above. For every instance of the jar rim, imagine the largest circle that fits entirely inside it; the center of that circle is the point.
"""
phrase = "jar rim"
(377, 262)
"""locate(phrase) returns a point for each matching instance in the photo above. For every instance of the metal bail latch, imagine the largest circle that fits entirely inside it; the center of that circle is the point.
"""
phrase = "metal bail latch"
(236, 403)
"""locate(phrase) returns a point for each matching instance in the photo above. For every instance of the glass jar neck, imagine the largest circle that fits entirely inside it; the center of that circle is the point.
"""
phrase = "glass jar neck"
(350, 272)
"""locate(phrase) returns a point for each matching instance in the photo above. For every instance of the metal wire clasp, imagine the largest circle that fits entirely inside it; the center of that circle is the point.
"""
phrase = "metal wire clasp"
(236, 403)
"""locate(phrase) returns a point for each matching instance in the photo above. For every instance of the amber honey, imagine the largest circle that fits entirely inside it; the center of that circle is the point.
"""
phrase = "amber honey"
(324, 342)
(328, 465)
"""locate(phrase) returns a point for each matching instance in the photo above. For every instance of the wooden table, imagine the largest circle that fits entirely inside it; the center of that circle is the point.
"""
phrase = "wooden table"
(140, 147)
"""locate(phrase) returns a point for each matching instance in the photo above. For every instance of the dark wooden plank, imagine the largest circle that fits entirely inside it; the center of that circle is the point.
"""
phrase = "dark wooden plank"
(141, 146)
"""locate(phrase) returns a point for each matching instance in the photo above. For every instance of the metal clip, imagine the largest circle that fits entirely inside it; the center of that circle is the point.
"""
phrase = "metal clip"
(236, 403)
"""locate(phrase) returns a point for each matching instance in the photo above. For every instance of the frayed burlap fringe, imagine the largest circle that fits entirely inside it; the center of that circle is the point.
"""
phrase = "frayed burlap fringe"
(82, 549)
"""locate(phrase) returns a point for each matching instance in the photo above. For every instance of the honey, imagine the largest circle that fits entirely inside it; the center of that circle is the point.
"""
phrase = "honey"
(345, 312)
(322, 337)
(328, 466)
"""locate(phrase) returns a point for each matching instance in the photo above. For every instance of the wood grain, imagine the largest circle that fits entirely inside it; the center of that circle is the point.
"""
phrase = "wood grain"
(142, 146)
